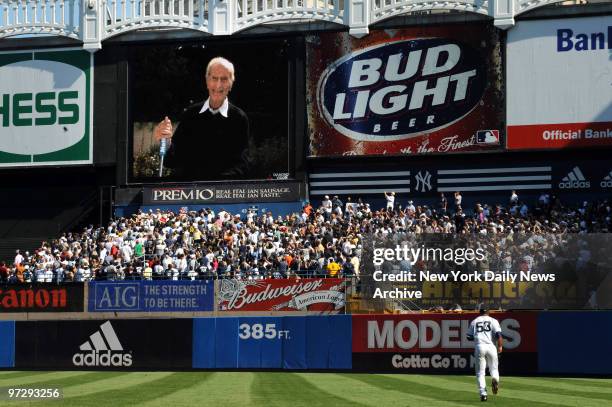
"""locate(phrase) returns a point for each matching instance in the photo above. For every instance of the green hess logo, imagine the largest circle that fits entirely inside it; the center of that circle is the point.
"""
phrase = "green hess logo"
(44, 109)
(45, 105)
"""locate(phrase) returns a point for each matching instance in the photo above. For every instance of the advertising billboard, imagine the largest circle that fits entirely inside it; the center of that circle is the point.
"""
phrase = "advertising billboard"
(246, 139)
(488, 180)
(215, 193)
(102, 344)
(305, 294)
(41, 298)
(437, 343)
(151, 296)
(408, 91)
(46, 108)
(558, 83)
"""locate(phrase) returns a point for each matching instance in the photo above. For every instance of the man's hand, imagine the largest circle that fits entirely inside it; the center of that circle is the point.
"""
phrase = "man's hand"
(500, 349)
(163, 130)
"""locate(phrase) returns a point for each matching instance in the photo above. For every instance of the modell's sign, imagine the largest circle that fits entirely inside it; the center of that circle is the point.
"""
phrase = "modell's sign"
(403, 92)
(438, 342)
(306, 294)
(41, 298)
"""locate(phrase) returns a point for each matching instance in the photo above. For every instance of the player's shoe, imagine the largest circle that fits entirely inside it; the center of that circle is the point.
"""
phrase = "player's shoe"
(495, 385)
(483, 397)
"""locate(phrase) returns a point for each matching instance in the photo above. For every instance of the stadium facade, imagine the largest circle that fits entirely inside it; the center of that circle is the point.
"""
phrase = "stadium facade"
(349, 98)
(407, 124)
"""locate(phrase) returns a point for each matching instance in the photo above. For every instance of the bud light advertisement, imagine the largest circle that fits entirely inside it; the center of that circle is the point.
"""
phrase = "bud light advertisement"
(424, 90)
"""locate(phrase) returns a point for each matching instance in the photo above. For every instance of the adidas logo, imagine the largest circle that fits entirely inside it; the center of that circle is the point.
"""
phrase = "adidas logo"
(575, 179)
(607, 181)
(106, 349)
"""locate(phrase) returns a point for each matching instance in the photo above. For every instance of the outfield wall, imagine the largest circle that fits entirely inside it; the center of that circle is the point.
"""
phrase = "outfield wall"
(572, 342)
(535, 343)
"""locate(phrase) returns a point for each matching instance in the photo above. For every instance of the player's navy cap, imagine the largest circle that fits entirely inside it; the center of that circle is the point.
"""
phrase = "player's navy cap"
(482, 308)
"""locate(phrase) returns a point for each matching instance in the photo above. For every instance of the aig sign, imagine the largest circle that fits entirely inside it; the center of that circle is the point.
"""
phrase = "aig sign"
(45, 108)
(117, 297)
(396, 90)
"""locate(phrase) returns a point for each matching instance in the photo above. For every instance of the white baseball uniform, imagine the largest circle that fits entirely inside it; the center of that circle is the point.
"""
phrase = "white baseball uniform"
(485, 330)
(390, 197)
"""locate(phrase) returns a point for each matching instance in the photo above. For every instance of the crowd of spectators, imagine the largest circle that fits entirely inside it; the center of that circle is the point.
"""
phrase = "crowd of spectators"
(324, 241)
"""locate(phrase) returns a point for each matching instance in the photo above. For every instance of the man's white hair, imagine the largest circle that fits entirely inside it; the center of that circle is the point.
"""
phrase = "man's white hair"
(224, 63)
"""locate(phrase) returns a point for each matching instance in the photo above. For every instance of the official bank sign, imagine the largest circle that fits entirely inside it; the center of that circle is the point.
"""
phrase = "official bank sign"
(559, 73)
(395, 90)
(45, 108)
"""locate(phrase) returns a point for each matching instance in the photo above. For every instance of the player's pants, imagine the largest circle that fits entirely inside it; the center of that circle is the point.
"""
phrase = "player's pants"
(486, 355)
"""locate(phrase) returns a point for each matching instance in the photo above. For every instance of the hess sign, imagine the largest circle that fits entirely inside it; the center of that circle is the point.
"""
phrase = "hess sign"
(42, 106)
(397, 90)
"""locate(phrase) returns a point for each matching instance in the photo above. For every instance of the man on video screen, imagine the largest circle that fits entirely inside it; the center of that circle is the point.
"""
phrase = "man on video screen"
(212, 138)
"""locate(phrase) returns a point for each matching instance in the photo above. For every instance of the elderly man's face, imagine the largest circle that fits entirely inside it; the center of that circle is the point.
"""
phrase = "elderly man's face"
(218, 83)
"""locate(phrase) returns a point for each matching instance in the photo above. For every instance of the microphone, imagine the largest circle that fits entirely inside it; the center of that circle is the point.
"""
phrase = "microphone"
(162, 147)
(162, 154)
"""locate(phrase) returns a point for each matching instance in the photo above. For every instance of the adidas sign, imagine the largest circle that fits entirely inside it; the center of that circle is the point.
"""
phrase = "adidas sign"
(106, 350)
(575, 179)
(607, 181)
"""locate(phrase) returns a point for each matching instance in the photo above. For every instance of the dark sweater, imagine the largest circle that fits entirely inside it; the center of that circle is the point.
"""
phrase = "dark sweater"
(208, 146)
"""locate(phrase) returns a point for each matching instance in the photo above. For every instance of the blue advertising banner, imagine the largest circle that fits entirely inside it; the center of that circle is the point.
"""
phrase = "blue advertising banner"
(151, 296)
(313, 342)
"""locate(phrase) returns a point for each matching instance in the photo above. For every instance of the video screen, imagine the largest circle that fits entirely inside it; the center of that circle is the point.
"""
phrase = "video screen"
(221, 126)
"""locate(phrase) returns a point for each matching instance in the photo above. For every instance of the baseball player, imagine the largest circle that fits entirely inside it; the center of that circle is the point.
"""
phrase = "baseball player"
(487, 336)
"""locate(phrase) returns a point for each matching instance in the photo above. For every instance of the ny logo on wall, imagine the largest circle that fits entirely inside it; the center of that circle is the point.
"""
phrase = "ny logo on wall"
(423, 181)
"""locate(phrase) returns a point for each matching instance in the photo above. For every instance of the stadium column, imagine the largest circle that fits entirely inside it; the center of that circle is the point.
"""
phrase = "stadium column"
(221, 22)
(91, 24)
(502, 12)
(357, 17)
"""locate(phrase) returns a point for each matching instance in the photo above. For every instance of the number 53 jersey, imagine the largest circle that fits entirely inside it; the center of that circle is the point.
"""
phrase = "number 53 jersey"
(484, 330)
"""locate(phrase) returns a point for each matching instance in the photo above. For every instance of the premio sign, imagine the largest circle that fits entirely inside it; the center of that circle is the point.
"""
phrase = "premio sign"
(45, 108)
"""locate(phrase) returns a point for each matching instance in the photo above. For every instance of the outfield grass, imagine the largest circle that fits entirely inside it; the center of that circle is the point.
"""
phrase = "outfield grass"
(170, 389)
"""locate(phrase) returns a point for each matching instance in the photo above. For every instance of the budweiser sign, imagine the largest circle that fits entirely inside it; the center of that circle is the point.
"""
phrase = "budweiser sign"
(307, 294)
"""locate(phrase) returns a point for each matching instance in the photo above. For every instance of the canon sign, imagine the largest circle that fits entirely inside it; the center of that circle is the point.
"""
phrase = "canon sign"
(396, 90)
(428, 334)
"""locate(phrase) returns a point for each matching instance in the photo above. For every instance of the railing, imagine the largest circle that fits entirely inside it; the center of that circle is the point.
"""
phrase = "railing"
(383, 9)
(55, 17)
(126, 15)
(93, 21)
(255, 12)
